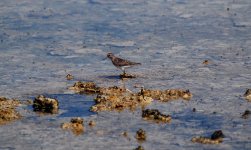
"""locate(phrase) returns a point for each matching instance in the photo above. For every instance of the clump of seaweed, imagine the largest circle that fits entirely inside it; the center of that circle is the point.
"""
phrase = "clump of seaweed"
(168, 94)
(116, 98)
(216, 138)
(247, 94)
(76, 125)
(155, 115)
(7, 110)
(45, 105)
(85, 87)
(140, 135)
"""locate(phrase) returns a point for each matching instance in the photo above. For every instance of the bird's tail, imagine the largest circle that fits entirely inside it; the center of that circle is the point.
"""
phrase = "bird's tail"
(137, 63)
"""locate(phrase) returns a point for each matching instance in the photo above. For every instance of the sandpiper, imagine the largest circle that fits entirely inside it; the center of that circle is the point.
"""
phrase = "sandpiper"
(120, 63)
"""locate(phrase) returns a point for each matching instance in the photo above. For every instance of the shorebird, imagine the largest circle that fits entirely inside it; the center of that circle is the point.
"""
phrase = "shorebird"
(120, 63)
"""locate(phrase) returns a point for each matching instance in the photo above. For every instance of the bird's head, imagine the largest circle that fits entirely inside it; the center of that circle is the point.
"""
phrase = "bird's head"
(110, 55)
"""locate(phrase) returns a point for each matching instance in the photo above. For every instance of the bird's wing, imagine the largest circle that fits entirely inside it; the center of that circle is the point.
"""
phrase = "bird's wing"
(123, 62)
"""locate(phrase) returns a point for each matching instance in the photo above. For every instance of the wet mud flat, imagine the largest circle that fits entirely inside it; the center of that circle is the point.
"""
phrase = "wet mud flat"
(113, 99)
(192, 90)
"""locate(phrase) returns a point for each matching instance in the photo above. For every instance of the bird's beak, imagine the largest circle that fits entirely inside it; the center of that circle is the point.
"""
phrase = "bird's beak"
(104, 58)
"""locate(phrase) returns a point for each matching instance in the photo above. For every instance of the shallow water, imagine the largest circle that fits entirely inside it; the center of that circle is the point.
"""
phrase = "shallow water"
(42, 41)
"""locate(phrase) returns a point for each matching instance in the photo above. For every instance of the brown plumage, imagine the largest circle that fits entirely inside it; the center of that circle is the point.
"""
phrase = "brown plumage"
(121, 63)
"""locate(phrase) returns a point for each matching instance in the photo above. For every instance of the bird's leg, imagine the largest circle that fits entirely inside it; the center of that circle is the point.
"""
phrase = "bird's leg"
(142, 92)
(123, 69)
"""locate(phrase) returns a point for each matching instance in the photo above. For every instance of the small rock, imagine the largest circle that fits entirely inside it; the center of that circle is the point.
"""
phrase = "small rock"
(141, 135)
(246, 114)
(125, 134)
(247, 94)
(85, 87)
(92, 123)
(69, 77)
(76, 125)
(217, 135)
(215, 138)
(154, 114)
(46, 105)
(77, 120)
(205, 140)
(205, 62)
